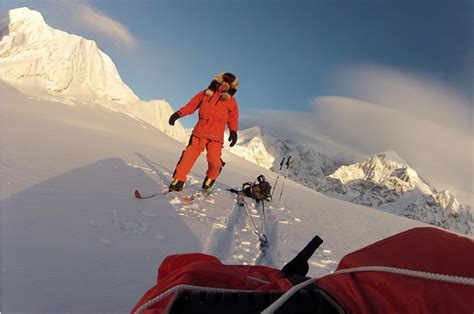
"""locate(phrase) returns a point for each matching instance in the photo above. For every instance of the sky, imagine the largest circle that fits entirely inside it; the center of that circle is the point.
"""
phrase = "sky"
(387, 62)
(284, 52)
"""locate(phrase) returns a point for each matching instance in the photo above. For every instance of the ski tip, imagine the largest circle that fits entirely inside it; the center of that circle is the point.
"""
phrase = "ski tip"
(137, 194)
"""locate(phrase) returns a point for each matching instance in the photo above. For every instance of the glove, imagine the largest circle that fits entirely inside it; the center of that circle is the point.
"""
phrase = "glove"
(175, 116)
(232, 138)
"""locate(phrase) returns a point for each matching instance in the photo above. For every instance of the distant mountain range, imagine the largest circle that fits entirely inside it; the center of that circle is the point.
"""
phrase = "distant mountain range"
(48, 63)
(383, 181)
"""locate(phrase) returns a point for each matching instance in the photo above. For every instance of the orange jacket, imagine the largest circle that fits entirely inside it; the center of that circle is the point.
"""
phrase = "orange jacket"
(214, 114)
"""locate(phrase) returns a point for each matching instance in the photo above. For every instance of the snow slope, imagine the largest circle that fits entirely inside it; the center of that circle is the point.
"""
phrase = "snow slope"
(51, 64)
(73, 237)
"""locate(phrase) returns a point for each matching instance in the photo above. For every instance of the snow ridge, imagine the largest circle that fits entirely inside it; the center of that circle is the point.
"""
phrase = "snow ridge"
(35, 57)
(384, 181)
(51, 64)
(308, 165)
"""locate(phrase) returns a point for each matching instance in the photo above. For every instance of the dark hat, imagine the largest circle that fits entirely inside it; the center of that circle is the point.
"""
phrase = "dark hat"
(218, 80)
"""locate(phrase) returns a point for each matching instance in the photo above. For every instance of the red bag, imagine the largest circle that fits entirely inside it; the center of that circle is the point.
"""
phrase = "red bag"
(391, 280)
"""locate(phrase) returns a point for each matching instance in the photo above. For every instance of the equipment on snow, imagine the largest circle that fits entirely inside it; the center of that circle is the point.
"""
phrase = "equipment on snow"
(421, 270)
(284, 179)
(278, 176)
(259, 191)
(142, 197)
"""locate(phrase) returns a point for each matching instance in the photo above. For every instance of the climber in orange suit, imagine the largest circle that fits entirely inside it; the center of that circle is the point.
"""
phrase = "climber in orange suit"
(217, 107)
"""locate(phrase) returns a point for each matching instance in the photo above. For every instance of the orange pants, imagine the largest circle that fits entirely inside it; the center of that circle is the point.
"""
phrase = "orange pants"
(195, 147)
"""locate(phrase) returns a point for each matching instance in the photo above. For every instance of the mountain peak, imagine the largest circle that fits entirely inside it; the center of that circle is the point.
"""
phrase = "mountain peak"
(21, 19)
(39, 59)
(378, 168)
(24, 13)
(391, 155)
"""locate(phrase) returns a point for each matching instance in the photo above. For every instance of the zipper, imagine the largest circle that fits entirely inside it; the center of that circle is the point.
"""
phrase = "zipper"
(210, 100)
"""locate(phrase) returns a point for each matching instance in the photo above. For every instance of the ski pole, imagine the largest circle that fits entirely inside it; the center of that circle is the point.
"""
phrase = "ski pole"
(286, 174)
(279, 171)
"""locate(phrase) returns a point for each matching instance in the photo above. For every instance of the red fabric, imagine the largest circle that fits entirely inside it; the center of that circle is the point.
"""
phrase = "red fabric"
(424, 249)
(207, 271)
(214, 114)
(195, 148)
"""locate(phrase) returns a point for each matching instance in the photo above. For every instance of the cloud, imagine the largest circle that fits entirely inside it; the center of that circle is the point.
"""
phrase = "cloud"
(97, 22)
(428, 124)
(413, 94)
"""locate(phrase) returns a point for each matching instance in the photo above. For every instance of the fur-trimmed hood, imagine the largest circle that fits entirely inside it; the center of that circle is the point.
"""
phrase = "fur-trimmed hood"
(218, 80)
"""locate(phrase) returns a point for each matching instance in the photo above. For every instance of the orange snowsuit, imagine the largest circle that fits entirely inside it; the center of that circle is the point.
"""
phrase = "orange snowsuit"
(208, 133)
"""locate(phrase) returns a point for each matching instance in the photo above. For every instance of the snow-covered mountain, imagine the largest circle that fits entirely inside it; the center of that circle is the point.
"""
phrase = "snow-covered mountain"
(51, 64)
(387, 182)
(36, 56)
(383, 181)
(308, 166)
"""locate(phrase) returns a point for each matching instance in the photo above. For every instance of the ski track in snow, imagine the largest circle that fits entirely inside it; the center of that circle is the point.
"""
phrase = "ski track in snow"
(230, 235)
(222, 234)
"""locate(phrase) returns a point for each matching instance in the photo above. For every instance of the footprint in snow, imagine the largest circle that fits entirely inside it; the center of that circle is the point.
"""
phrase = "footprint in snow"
(128, 224)
(159, 236)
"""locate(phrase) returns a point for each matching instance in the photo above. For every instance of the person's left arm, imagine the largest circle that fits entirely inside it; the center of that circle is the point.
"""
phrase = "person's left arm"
(233, 118)
(233, 123)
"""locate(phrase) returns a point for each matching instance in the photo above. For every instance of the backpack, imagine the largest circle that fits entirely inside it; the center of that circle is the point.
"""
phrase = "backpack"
(260, 191)
(421, 270)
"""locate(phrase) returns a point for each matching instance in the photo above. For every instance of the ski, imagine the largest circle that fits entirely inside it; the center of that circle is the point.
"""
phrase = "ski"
(144, 197)
(186, 197)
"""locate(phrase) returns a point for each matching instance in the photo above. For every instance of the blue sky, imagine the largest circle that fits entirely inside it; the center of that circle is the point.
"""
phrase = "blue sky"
(284, 52)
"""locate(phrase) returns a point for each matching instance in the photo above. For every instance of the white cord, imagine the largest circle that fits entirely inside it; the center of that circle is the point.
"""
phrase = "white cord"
(413, 273)
(407, 272)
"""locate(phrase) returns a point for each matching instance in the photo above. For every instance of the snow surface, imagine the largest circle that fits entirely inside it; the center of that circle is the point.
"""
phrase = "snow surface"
(74, 238)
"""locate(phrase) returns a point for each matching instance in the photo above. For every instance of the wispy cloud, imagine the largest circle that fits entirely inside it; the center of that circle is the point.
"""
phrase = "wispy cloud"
(95, 21)
(428, 124)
